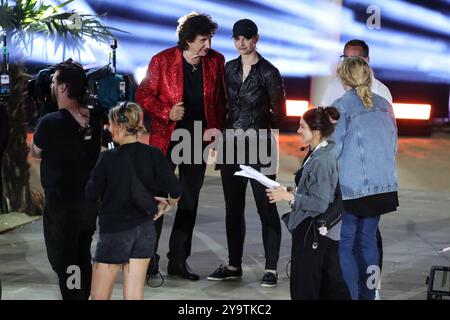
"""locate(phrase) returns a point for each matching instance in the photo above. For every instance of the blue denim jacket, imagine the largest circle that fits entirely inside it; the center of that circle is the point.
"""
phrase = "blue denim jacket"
(316, 188)
(366, 145)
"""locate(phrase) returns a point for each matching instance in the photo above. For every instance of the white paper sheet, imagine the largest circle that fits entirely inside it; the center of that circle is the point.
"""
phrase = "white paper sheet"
(251, 173)
(444, 250)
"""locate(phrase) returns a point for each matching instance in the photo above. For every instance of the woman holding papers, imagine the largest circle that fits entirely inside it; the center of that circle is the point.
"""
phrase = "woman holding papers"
(315, 266)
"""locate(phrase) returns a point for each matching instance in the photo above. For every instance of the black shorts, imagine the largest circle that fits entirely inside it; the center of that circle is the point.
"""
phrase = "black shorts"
(119, 247)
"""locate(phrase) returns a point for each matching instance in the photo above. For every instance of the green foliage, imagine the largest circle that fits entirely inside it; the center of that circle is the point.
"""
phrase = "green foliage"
(24, 21)
(28, 19)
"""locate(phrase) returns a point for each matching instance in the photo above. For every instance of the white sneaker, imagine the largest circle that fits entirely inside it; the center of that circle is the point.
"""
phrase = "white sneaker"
(377, 294)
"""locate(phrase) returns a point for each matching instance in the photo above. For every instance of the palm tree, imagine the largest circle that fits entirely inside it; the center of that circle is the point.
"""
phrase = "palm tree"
(23, 22)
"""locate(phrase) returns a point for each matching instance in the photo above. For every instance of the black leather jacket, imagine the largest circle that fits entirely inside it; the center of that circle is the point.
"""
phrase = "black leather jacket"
(259, 102)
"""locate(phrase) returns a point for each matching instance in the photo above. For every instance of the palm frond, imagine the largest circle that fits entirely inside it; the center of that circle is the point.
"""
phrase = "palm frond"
(28, 19)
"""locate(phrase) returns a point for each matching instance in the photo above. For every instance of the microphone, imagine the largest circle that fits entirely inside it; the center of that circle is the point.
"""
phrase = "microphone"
(304, 148)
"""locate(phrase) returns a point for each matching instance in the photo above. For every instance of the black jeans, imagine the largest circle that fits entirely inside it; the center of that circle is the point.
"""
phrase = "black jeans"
(68, 231)
(234, 188)
(315, 273)
(191, 177)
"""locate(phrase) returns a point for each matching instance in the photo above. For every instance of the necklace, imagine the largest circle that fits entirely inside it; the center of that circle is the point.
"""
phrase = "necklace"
(82, 119)
(194, 66)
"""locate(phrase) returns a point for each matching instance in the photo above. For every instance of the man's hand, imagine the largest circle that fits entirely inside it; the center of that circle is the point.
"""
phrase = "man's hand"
(177, 111)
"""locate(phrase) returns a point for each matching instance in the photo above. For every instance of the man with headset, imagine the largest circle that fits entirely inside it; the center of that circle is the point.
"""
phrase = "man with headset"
(68, 142)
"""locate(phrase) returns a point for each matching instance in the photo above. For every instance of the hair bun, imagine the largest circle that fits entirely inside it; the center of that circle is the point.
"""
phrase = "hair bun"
(333, 114)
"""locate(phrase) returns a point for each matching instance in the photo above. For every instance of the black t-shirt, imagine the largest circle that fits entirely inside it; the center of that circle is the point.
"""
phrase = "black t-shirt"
(374, 205)
(68, 155)
(193, 96)
(111, 181)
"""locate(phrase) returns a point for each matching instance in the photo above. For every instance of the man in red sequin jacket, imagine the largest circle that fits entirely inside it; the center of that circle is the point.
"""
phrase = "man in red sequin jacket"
(183, 91)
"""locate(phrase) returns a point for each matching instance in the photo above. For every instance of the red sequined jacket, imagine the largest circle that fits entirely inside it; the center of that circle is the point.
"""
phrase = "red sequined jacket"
(162, 87)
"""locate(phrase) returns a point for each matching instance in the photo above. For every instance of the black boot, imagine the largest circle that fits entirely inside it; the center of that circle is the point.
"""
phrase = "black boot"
(182, 270)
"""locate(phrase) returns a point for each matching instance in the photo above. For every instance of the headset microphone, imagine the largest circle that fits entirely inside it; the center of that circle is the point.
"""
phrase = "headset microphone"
(306, 147)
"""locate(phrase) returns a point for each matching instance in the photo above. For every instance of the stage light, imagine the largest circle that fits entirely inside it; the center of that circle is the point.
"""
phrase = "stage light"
(411, 14)
(140, 73)
(296, 108)
(411, 118)
(412, 111)
(289, 37)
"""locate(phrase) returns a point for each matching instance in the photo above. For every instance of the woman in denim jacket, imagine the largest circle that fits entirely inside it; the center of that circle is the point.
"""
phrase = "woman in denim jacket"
(315, 269)
(366, 144)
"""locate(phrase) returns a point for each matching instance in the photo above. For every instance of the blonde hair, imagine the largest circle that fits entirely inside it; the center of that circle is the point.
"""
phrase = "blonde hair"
(355, 72)
(129, 114)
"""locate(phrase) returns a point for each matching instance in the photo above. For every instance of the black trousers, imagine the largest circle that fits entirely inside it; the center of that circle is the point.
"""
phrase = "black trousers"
(191, 177)
(234, 188)
(68, 231)
(315, 273)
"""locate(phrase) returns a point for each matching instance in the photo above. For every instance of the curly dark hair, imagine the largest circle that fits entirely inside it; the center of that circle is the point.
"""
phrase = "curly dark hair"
(192, 25)
(322, 119)
(73, 75)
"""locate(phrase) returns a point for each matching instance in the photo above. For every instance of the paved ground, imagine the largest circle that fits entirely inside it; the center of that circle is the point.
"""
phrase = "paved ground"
(411, 236)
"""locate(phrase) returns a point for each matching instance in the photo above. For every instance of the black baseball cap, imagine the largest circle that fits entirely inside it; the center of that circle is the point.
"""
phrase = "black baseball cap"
(246, 28)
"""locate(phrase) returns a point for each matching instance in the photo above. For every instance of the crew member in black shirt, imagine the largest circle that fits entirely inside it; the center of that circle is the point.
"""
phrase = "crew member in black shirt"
(127, 234)
(68, 142)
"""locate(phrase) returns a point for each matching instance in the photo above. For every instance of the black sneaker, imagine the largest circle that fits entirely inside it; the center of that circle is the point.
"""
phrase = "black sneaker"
(223, 273)
(269, 280)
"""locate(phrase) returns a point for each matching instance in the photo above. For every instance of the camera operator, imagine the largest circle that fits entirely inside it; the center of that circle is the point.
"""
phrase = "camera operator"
(68, 142)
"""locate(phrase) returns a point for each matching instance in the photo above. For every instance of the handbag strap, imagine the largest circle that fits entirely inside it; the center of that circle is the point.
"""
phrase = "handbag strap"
(338, 190)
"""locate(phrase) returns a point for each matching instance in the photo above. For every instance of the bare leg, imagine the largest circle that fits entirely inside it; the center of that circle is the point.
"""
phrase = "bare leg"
(134, 279)
(103, 278)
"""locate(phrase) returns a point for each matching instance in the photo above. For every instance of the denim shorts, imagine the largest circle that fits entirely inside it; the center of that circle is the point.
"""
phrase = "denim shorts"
(119, 247)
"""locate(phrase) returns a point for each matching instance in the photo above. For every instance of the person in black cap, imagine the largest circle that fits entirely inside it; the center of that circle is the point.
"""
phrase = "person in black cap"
(256, 101)
(246, 28)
